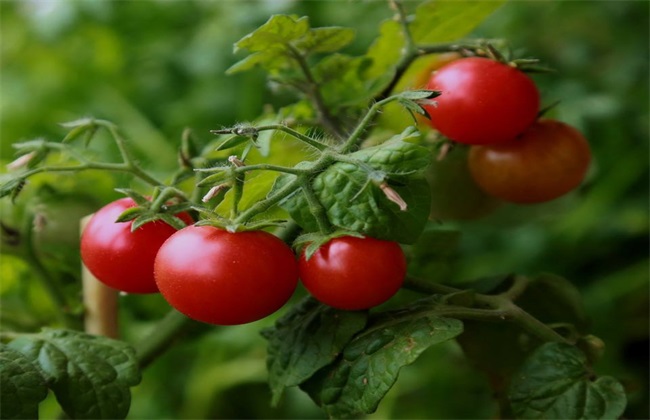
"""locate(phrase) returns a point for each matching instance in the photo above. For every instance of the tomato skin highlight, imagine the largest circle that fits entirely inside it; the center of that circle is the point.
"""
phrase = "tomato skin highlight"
(482, 101)
(547, 161)
(118, 257)
(353, 273)
(223, 278)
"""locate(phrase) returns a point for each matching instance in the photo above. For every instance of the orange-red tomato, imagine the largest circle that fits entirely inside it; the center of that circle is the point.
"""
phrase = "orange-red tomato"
(545, 162)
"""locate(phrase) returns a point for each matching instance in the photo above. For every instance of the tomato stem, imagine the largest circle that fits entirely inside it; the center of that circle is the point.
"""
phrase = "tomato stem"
(500, 306)
(312, 90)
(315, 206)
(161, 337)
(296, 134)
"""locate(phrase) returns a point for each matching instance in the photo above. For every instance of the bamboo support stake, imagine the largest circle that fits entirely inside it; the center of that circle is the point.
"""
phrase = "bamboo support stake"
(100, 302)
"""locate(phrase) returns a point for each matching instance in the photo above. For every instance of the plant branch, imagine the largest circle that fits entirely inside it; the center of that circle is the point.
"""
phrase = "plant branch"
(315, 206)
(355, 137)
(501, 304)
(314, 94)
(298, 135)
(161, 337)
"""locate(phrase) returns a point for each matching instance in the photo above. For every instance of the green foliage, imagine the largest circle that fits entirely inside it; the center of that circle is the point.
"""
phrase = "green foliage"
(555, 382)
(306, 339)
(72, 61)
(351, 197)
(369, 364)
(89, 375)
(23, 385)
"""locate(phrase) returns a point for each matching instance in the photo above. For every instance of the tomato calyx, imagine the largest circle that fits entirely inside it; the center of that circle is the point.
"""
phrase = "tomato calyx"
(150, 210)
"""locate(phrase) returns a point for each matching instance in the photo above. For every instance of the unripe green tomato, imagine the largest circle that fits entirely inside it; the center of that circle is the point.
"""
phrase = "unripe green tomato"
(454, 193)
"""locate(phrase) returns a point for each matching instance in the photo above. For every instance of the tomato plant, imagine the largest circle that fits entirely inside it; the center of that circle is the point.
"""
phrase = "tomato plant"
(482, 101)
(120, 258)
(545, 162)
(343, 173)
(224, 278)
(354, 273)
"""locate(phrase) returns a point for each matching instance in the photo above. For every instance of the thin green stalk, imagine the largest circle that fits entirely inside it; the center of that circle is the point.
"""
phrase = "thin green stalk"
(304, 138)
(269, 167)
(501, 304)
(270, 201)
(355, 137)
(324, 116)
(161, 336)
(315, 207)
(237, 191)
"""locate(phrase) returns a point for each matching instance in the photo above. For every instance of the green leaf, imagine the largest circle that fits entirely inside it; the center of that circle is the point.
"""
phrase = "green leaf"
(277, 32)
(90, 375)
(444, 21)
(352, 200)
(22, 383)
(306, 339)
(325, 40)
(283, 40)
(555, 383)
(370, 363)
(386, 51)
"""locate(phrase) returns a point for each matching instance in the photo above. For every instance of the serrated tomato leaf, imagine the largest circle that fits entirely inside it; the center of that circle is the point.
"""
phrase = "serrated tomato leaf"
(283, 40)
(90, 375)
(369, 366)
(23, 385)
(306, 339)
(554, 383)
(353, 201)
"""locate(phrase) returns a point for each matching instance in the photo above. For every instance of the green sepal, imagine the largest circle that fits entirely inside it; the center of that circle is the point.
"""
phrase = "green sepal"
(138, 198)
(130, 214)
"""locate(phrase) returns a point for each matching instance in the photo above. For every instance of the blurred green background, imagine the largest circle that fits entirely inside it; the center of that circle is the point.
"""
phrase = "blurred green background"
(156, 67)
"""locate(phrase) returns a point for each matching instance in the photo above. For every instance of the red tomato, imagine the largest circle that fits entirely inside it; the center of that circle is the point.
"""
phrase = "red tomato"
(118, 257)
(354, 273)
(482, 101)
(224, 278)
(547, 161)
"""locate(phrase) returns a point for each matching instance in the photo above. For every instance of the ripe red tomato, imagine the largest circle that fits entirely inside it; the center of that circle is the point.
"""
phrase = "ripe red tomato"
(224, 278)
(118, 257)
(354, 273)
(547, 161)
(482, 101)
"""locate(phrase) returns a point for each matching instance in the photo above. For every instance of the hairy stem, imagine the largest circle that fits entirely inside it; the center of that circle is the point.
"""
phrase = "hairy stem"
(305, 139)
(315, 207)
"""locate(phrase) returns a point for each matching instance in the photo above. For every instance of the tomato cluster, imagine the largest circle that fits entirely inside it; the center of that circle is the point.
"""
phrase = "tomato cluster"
(514, 155)
(228, 278)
